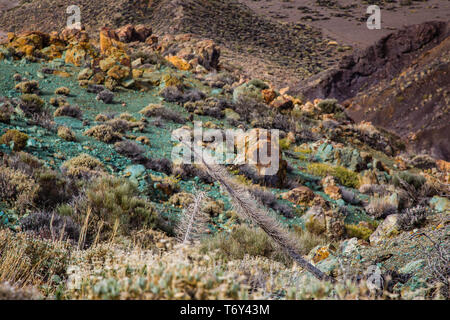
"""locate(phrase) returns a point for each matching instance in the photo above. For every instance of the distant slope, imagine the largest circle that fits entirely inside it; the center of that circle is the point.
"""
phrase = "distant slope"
(402, 84)
(299, 51)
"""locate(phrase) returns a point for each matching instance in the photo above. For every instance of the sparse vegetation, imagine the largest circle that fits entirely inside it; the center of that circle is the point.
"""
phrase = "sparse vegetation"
(104, 133)
(98, 207)
(68, 111)
(83, 165)
(66, 134)
(345, 176)
(15, 139)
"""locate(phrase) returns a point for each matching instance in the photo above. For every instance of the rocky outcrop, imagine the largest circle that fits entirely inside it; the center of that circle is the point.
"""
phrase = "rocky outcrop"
(398, 84)
(383, 60)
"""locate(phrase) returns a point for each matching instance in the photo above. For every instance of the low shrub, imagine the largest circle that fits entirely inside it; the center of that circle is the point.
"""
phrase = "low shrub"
(31, 104)
(412, 179)
(6, 110)
(129, 149)
(28, 86)
(83, 166)
(344, 176)
(62, 91)
(380, 207)
(412, 218)
(54, 188)
(69, 111)
(26, 260)
(113, 207)
(119, 125)
(24, 162)
(52, 226)
(157, 110)
(307, 240)
(329, 106)
(66, 134)
(358, 231)
(104, 133)
(17, 188)
(244, 240)
(15, 138)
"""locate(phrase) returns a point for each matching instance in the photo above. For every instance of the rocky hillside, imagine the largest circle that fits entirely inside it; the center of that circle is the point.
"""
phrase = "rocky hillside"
(280, 53)
(400, 84)
(96, 115)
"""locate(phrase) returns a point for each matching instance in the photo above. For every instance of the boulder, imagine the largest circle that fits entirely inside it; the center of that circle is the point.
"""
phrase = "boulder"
(440, 204)
(179, 63)
(109, 42)
(125, 33)
(269, 95)
(131, 33)
(330, 188)
(282, 103)
(300, 196)
(388, 228)
(142, 32)
(208, 54)
(29, 42)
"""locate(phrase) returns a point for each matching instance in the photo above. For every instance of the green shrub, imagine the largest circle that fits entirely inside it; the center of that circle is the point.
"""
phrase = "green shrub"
(29, 261)
(31, 104)
(412, 179)
(307, 240)
(17, 188)
(244, 240)
(104, 133)
(83, 166)
(345, 177)
(66, 134)
(6, 111)
(14, 136)
(113, 204)
(358, 231)
(329, 106)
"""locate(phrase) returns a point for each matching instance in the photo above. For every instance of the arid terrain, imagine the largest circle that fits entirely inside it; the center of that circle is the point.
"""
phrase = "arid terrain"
(345, 20)
(96, 202)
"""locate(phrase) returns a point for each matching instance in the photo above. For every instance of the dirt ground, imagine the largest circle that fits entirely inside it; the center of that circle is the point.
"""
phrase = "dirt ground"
(5, 5)
(345, 20)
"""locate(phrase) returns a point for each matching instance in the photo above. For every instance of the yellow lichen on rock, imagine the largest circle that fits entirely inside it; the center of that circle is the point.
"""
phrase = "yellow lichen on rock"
(179, 63)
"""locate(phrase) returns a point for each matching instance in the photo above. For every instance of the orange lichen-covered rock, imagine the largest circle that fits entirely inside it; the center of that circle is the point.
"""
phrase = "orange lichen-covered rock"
(330, 188)
(282, 103)
(300, 196)
(261, 150)
(79, 49)
(320, 254)
(401, 163)
(109, 42)
(107, 63)
(78, 54)
(269, 95)
(119, 72)
(443, 165)
(29, 42)
(74, 35)
(179, 63)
